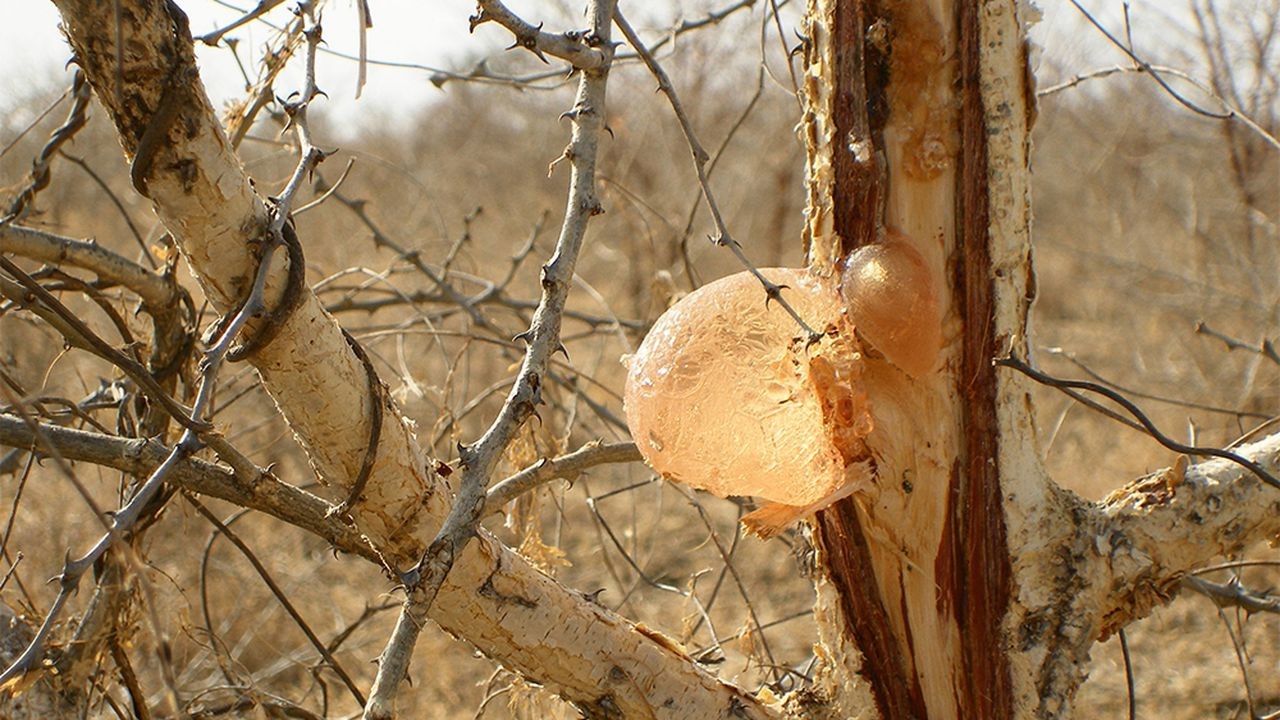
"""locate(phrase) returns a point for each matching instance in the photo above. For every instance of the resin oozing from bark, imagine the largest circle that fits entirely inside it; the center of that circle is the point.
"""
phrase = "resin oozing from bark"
(724, 396)
(890, 294)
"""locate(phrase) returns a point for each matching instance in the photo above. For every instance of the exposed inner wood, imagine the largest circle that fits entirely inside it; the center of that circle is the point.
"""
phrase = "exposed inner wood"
(921, 562)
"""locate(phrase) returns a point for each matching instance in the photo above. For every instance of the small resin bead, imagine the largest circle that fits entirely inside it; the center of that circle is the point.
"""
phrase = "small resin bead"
(890, 294)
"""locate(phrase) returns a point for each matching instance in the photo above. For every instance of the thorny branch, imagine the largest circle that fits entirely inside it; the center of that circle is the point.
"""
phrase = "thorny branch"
(122, 521)
(773, 291)
(1266, 348)
(1141, 417)
(1233, 593)
(565, 466)
(197, 433)
(27, 290)
(254, 487)
(423, 582)
(156, 291)
(480, 72)
(141, 456)
(578, 48)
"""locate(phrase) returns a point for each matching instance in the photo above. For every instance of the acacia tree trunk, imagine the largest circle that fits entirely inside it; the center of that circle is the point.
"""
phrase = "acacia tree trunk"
(969, 584)
(918, 122)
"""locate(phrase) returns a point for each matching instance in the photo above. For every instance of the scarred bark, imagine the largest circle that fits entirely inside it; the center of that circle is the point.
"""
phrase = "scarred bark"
(920, 572)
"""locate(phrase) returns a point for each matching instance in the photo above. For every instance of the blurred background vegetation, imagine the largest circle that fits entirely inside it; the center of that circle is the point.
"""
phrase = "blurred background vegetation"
(1155, 231)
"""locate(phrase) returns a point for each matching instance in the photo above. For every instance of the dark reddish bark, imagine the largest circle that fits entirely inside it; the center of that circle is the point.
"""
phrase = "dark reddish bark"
(849, 565)
(857, 188)
(981, 572)
(973, 562)
(859, 116)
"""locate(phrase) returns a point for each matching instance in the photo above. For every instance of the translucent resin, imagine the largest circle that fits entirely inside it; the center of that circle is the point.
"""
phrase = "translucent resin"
(892, 301)
(724, 395)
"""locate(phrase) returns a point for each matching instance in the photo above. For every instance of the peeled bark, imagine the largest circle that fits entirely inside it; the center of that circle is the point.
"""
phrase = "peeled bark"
(919, 575)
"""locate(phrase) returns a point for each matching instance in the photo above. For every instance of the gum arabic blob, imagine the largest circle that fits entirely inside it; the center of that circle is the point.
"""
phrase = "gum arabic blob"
(889, 292)
(724, 396)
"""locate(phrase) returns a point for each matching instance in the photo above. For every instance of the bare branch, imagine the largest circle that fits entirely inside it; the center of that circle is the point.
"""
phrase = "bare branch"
(263, 7)
(200, 192)
(1146, 424)
(1229, 111)
(773, 292)
(1156, 529)
(123, 520)
(565, 466)
(155, 290)
(281, 597)
(1233, 594)
(75, 331)
(423, 582)
(1266, 348)
(142, 456)
(572, 46)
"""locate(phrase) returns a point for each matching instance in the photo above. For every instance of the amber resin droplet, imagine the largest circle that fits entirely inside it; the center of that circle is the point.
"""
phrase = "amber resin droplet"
(724, 396)
(893, 303)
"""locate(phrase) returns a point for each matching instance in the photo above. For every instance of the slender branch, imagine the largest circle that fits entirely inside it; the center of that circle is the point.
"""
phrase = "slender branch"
(1131, 392)
(565, 466)
(282, 598)
(1233, 594)
(115, 201)
(575, 47)
(1106, 72)
(124, 519)
(324, 195)
(34, 122)
(76, 331)
(488, 296)
(140, 456)
(1266, 348)
(1229, 111)
(263, 7)
(773, 291)
(1150, 427)
(423, 582)
(155, 290)
(480, 73)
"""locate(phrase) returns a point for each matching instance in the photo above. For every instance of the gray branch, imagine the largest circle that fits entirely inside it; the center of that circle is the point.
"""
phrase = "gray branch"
(543, 337)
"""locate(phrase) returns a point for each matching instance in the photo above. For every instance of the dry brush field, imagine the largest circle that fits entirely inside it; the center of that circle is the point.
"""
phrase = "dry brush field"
(1144, 247)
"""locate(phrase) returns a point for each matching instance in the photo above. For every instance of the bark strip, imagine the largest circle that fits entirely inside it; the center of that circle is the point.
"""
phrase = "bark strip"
(858, 116)
(981, 572)
(869, 629)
